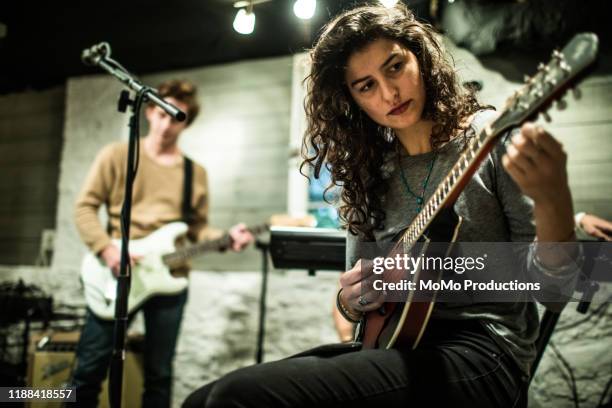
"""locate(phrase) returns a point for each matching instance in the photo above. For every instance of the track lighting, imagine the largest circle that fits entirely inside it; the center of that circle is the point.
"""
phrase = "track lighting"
(244, 23)
(304, 9)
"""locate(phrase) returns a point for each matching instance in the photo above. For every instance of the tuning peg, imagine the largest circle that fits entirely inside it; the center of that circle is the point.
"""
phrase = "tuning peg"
(556, 54)
(561, 104)
(546, 116)
(536, 91)
(542, 67)
(576, 93)
(565, 67)
(527, 79)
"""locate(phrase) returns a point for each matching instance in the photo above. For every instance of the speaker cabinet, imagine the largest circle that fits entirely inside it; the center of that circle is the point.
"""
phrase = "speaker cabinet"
(51, 366)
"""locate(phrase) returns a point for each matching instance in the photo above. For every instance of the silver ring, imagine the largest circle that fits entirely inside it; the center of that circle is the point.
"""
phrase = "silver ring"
(363, 301)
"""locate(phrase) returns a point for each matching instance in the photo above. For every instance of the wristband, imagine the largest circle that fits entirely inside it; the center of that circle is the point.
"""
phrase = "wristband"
(344, 311)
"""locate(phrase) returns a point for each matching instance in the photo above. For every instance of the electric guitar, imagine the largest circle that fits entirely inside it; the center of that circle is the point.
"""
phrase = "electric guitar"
(402, 324)
(152, 275)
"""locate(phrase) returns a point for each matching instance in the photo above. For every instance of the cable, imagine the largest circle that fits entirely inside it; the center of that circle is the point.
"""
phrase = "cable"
(601, 309)
(119, 66)
(571, 381)
(605, 392)
(138, 101)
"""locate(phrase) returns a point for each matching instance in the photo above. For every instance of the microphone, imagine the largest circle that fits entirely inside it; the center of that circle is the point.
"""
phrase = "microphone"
(95, 53)
(99, 55)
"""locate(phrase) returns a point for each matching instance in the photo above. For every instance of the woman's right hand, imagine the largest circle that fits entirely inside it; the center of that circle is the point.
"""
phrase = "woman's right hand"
(358, 294)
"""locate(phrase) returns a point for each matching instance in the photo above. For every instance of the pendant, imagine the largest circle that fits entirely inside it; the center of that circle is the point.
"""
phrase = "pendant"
(419, 201)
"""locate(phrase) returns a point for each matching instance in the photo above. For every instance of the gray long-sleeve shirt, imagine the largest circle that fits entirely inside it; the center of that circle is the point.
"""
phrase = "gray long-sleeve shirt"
(493, 210)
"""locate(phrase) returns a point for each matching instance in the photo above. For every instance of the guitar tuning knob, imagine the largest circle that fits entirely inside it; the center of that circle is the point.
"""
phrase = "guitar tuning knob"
(576, 93)
(558, 55)
(561, 104)
(542, 67)
(546, 116)
(527, 79)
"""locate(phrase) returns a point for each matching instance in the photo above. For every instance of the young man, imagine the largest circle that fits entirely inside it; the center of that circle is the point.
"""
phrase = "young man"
(157, 200)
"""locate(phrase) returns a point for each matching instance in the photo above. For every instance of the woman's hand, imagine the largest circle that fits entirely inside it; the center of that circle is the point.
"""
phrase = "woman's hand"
(357, 294)
(537, 163)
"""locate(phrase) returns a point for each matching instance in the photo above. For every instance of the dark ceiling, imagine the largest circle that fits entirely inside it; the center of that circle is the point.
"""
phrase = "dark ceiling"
(43, 41)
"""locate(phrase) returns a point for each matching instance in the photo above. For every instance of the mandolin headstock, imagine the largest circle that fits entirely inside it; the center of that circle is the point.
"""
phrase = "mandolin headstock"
(549, 83)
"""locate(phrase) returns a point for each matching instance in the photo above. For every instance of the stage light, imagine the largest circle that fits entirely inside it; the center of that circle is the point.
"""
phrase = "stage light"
(304, 9)
(388, 3)
(244, 23)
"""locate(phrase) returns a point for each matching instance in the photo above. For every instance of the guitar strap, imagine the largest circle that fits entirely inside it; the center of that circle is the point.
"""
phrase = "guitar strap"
(187, 210)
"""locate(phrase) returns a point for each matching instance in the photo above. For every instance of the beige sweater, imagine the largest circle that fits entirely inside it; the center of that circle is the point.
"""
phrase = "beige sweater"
(156, 199)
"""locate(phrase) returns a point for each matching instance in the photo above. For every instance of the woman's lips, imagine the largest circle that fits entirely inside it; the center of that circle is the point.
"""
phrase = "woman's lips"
(400, 109)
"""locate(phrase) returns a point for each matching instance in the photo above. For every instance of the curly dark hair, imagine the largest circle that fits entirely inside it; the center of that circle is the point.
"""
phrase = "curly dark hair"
(343, 137)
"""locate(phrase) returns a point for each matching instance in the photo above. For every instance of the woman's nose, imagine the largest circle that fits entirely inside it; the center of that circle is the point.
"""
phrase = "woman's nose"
(389, 92)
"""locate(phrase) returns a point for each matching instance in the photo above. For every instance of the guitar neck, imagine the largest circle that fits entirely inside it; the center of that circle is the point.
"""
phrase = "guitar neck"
(214, 245)
(453, 184)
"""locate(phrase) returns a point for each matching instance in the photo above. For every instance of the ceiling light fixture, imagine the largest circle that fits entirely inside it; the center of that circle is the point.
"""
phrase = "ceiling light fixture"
(245, 3)
(388, 3)
(244, 23)
(304, 9)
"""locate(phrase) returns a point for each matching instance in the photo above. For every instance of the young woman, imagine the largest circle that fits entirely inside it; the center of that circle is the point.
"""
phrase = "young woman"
(387, 114)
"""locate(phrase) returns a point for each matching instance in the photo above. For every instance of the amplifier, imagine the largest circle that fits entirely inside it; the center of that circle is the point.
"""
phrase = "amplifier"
(50, 366)
(308, 248)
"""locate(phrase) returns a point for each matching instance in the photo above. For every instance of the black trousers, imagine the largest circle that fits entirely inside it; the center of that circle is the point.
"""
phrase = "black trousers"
(457, 364)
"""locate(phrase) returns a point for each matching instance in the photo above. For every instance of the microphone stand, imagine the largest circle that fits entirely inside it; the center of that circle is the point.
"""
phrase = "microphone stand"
(99, 55)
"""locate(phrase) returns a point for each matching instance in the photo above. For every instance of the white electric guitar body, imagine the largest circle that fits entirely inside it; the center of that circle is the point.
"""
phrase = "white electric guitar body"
(150, 276)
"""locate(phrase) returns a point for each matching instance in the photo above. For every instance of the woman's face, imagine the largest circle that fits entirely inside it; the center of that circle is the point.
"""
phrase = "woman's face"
(384, 79)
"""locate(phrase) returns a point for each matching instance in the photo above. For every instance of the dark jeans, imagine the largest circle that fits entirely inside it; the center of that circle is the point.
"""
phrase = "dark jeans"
(162, 316)
(457, 364)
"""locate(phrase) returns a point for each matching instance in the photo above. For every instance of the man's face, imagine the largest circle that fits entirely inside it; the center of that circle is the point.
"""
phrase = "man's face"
(162, 127)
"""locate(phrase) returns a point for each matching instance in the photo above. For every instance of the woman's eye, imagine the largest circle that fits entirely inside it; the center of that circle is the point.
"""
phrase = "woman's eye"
(396, 67)
(366, 87)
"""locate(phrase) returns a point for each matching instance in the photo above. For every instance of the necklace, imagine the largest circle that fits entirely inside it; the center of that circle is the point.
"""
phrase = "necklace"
(419, 198)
